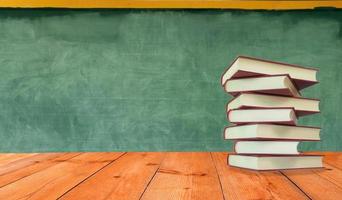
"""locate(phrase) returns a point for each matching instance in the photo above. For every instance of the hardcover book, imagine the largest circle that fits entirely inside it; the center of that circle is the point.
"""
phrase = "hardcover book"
(265, 110)
(277, 84)
(244, 66)
(278, 162)
(273, 115)
(266, 147)
(258, 131)
(302, 106)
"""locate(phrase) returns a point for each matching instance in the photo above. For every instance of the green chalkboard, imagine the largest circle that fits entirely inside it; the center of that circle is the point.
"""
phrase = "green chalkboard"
(144, 80)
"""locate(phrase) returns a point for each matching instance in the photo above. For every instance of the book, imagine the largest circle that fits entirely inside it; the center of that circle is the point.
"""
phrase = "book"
(278, 162)
(302, 106)
(273, 115)
(244, 66)
(271, 132)
(277, 84)
(264, 112)
(266, 147)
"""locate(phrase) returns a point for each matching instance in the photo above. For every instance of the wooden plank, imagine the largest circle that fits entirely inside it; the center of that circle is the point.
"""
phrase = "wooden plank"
(24, 167)
(185, 176)
(331, 173)
(238, 4)
(334, 159)
(5, 156)
(181, 176)
(318, 183)
(55, 180)
(248, 184)
(20, 163)
(331, 158)
(10, 157)
(124, 179)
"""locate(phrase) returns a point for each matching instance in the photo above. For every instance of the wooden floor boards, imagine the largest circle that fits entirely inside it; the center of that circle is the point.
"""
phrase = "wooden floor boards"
(159, 175)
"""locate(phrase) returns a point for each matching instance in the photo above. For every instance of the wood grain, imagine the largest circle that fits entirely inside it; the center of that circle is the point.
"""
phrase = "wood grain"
(253, 4)
(125, 179)
(331, 173)
(23, 162)
(156, 175)
(185, 176)
(24, 167)
(333, 159)
(7, 158)
(318, 183)
(54, 181)
(246, 184)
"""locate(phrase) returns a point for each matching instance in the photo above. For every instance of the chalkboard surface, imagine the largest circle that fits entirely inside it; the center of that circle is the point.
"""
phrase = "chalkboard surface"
(143, 80)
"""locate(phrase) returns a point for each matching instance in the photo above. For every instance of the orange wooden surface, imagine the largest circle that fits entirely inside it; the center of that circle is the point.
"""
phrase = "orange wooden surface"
(25, 167)
(233, 4)
(334, 159)
(318, 183)
(125, 179)
(7, 158)
(159, 175)
(185, 176)
(52, 182)
(252, 184)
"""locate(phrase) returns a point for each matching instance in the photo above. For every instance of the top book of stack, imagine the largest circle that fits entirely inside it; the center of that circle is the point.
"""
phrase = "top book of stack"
(243, 67)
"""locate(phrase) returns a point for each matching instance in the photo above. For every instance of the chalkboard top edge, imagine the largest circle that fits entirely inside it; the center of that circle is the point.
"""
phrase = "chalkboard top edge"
(174, 4)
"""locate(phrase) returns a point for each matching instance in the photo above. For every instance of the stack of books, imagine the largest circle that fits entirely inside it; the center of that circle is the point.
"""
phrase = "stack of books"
(266, 106)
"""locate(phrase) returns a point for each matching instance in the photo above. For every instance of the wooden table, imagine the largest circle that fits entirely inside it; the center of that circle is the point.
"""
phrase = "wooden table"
(158, 176)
